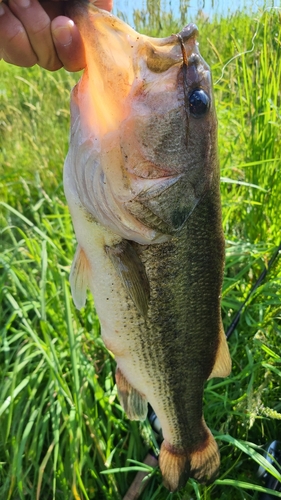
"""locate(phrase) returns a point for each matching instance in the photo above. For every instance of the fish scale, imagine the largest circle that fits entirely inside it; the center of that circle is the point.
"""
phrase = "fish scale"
(142, 182)
(180, 307)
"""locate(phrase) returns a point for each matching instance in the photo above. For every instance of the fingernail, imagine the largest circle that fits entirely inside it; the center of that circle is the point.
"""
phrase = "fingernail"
(63, 34)
(23, 3)
(2, 10)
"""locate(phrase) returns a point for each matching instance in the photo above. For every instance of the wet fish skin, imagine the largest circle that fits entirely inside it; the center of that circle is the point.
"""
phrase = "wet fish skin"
(142, 183)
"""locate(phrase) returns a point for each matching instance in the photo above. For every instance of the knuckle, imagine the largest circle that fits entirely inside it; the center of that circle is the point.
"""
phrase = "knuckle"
(16, 35)
(52, 63)
(55, 67)
(41, 29)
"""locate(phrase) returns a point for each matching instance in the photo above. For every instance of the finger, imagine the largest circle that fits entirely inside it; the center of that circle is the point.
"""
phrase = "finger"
(15, 47)
(38, 28)
(104, 4)
(68, 43)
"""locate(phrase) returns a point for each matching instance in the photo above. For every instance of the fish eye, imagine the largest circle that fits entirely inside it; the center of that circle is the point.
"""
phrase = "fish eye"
(199, 103)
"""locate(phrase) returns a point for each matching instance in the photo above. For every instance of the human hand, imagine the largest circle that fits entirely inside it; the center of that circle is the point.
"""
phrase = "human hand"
(38, 33)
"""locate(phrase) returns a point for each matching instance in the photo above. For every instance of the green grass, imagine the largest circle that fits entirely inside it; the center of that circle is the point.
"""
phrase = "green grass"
(61, 424)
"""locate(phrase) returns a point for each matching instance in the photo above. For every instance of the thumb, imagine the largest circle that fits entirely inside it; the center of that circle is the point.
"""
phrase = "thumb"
(68, 43)
(104, 4)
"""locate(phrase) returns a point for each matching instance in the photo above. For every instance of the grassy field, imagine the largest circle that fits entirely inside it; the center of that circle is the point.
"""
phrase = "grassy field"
(63, 433)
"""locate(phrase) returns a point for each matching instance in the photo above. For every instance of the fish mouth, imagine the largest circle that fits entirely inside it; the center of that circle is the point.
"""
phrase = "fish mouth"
(159, 53)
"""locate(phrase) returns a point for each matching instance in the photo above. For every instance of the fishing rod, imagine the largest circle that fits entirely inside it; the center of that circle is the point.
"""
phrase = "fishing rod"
(273, 451)
(259, 281)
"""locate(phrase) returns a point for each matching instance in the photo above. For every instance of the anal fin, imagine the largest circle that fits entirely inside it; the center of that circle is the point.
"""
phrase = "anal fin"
(78, 278)
(134, 403)
(131, 271)
(222, 366)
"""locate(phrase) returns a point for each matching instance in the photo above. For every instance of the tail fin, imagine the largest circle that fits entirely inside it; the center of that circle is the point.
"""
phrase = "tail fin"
(205, 462)
(201, 464)
(174, 466)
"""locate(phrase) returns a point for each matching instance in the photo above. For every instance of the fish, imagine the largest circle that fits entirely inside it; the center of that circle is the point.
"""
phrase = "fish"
(141, 179)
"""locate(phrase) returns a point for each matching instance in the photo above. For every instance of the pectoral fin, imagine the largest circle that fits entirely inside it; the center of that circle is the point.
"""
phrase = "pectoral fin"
(132, 273)
(79, 277)
(222, 366)
(134, 403)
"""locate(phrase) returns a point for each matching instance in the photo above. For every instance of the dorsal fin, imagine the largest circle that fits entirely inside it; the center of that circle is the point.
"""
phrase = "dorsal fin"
(222, 366)
(131, 272)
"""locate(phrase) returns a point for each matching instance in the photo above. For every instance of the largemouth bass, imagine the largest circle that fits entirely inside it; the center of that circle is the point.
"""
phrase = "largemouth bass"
(142, 182)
